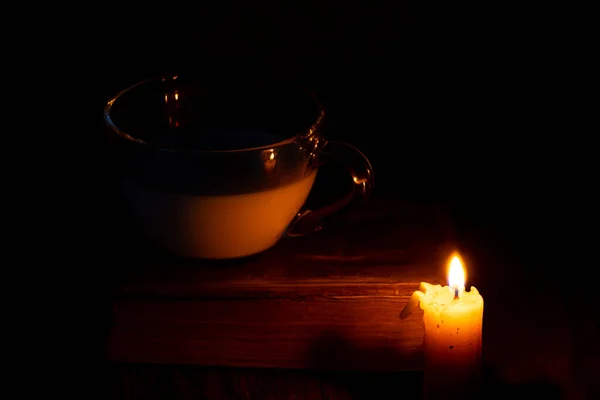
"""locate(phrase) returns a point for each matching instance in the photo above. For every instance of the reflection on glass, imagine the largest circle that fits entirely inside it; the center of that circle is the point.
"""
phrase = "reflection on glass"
(270, 161)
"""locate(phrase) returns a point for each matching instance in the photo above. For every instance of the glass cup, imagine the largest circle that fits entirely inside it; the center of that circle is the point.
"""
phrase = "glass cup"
(220, 171)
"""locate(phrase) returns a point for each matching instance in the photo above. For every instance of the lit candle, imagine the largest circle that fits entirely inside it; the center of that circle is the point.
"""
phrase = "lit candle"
(452, 343)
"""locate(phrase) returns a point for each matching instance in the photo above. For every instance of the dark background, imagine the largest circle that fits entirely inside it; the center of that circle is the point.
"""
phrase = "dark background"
(469, 105)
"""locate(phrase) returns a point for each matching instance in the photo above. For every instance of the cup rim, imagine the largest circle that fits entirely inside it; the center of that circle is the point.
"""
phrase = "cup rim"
(121, 133)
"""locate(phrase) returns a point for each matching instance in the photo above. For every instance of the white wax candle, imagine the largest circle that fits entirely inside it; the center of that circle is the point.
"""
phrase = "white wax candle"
(452, 343)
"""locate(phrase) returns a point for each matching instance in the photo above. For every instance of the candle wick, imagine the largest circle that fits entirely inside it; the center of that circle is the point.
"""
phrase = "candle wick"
(455, 293)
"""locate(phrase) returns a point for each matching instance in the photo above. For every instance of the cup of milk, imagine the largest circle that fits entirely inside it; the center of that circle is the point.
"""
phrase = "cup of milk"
(223, 170)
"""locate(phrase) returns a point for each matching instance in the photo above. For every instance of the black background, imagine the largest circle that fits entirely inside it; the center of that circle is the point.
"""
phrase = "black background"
(466, 104)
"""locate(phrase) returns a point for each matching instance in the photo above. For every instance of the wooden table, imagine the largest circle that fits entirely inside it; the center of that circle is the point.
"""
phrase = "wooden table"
(327, 301)
(318, 317)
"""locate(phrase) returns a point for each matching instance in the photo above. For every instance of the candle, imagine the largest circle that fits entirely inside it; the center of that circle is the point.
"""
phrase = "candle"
(452, 341)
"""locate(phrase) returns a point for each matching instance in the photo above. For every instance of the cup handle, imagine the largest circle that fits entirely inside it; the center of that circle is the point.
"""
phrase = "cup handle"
(354, 161)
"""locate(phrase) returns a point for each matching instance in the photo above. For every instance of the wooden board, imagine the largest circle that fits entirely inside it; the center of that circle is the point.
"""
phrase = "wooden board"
(145, 381)
(330, 300)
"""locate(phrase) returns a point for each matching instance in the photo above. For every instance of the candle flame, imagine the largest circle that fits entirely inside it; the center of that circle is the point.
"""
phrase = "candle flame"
(456, 274)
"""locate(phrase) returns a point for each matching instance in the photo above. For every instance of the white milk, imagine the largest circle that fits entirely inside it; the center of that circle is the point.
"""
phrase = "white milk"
(218, 226)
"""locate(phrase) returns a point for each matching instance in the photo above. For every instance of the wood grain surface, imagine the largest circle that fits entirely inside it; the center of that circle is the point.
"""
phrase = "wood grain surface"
(147, 382)
(327, 301)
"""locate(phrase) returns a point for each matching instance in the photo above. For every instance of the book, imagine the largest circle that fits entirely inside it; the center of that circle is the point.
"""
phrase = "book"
(330, 300)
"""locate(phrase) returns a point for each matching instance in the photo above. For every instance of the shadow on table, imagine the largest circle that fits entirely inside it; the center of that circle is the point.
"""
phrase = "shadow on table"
(496, 388)
(332, 350)
(147, 381)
